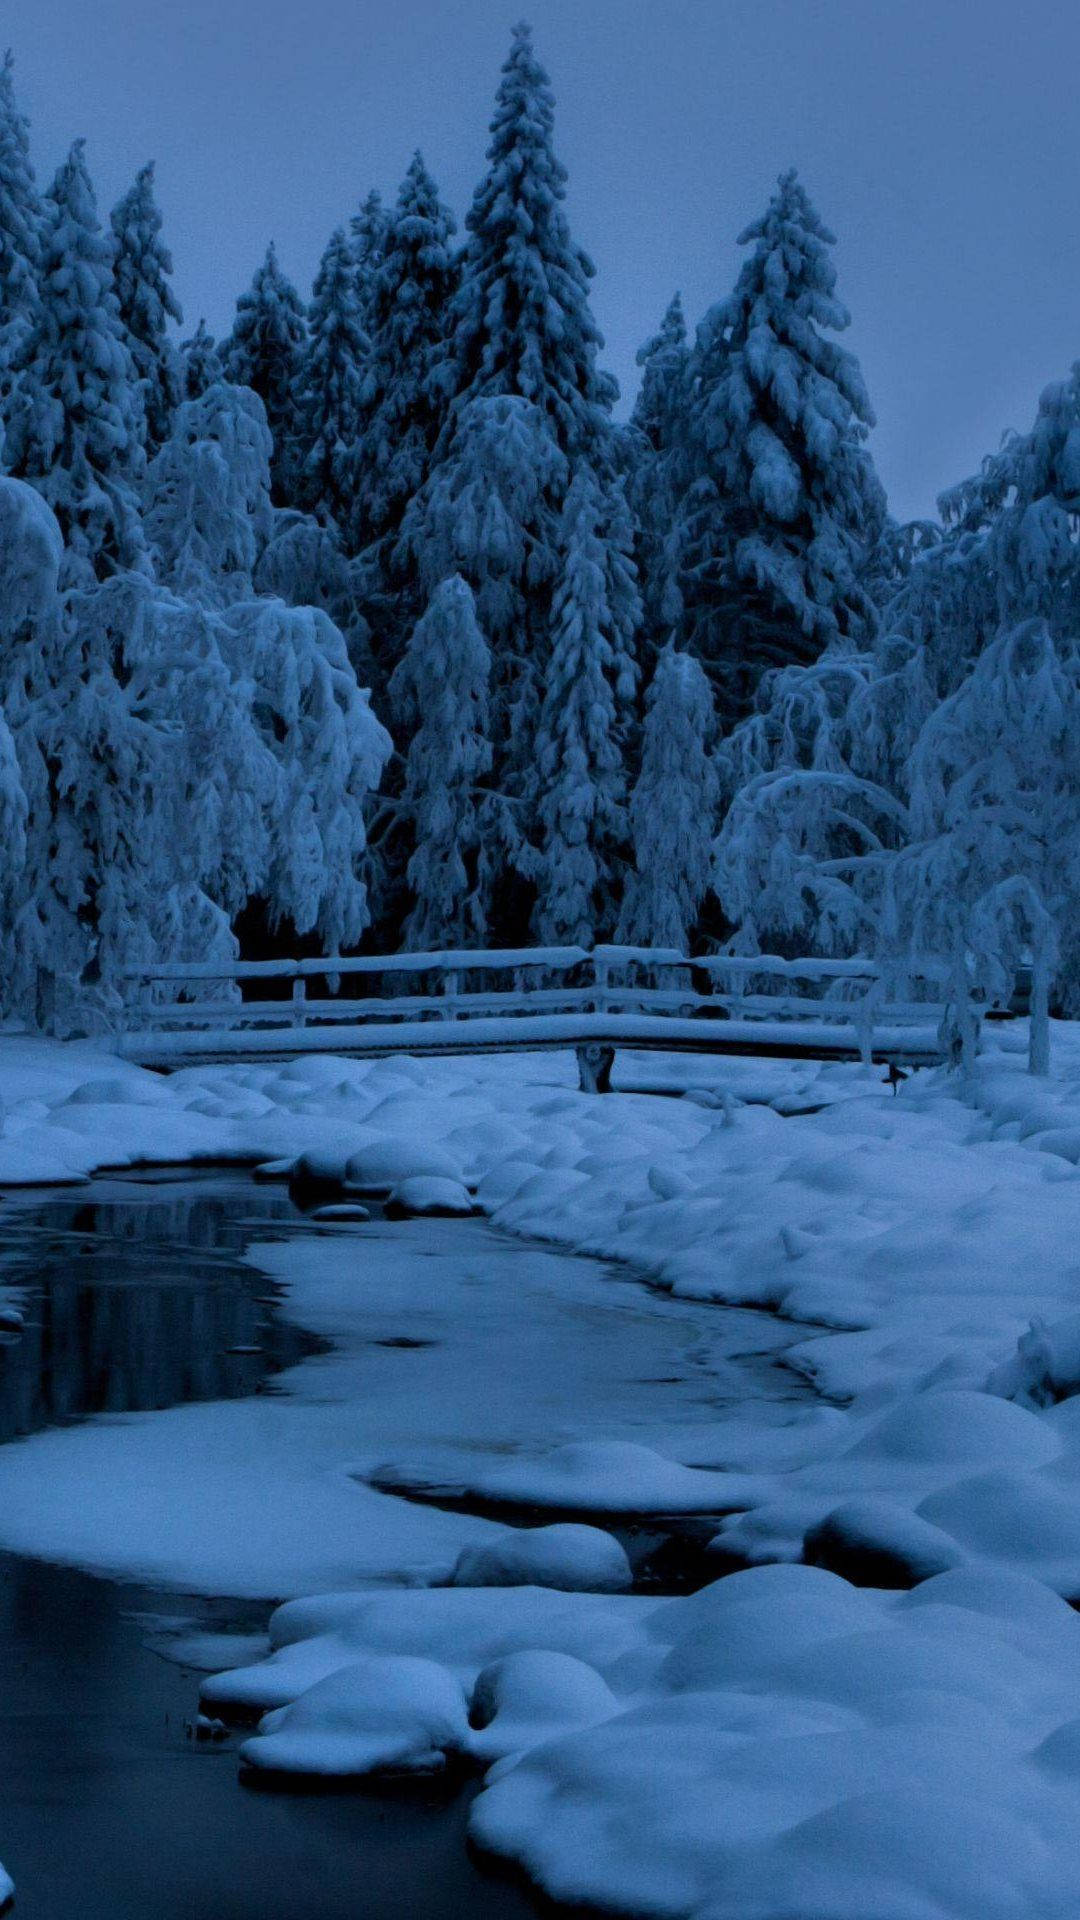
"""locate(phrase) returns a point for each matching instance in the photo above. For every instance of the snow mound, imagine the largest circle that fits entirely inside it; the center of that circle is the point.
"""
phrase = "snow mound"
(954, 1428)
(389, 1161)
(426, 1193)
(603, 1476)
(737, 1783)
(575, 1558)
(527, 1698)
(1045, 1367)
(466, 1628)
(376, 1715)
(878, 1543)
(340, 1212)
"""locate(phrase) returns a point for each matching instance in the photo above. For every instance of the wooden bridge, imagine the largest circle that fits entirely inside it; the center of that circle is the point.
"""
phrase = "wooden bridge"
(591, 1000)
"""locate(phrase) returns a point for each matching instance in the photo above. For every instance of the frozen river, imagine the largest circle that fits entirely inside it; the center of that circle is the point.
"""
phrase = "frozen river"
(456, 1340)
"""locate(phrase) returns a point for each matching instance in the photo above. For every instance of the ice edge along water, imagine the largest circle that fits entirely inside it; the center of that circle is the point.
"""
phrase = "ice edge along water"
(910, 1227)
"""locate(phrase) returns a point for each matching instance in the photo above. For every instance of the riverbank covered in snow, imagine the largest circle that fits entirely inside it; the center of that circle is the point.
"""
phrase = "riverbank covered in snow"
(784, 1741)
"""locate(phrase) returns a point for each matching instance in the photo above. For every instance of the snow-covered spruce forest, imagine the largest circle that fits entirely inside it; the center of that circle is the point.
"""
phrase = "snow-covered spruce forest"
(372, 623)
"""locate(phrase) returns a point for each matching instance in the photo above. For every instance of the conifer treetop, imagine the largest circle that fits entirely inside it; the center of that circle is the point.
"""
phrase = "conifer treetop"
(20, 217)
(74, 420)
(404, 398)
(662, 360)
(332, 380)
(522, 319)
(147, 302)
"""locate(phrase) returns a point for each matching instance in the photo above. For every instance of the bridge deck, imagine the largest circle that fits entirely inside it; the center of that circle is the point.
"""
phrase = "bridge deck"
(788, 1039)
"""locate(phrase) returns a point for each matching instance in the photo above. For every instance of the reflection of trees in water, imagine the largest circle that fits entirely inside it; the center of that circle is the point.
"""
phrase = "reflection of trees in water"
(136, 1304)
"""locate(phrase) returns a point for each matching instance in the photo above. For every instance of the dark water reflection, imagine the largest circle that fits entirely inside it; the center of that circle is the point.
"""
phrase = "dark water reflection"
(137, 1298)
(108, 1811)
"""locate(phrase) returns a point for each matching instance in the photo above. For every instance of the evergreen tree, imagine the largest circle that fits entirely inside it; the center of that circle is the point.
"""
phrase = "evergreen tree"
(653, 442)
(673, 808)
(781, 510)
(200, 363)
(521, 319)
(74, 420)
(266, 351)
(368, 231)
(589, 688)
(528, 411)
(141, 273)
(332, 384)
(491, 511)
(404, 401)
(21, 218)
(660, 401)
(208, 513)
(440, 693)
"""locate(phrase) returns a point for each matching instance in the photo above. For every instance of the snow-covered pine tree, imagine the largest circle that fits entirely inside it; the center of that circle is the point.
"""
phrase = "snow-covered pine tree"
(74, 419)
(333, 379)
(673, 808)
(439, 692)
(367, 230)
(589, 690)
(141, 271)
(653, 441)
(404, 397)
(528, 410)
(660, 403)
(521, 321)
(491, 512)
(781, 509)
(208, 513)
(200, 363)
(21, 218)
(266, 351)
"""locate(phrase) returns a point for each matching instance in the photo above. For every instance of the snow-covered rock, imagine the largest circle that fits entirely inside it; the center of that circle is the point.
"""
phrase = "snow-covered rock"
(527, 1698)
(428, 1193)
(375, 1715)
(577, 1558)
(388, 1161)
(878, 1543)
(695, 1756)
(1045, 1367)
(601, 1476)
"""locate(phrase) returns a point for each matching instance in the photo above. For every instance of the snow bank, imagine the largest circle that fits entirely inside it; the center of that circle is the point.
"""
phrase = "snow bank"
(779, 1743)
(373, 1716)
(909, 1240)
(782, 1734)
(578, 1559)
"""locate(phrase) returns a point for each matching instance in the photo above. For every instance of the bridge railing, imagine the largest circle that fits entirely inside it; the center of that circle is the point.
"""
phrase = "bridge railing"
(459, 984)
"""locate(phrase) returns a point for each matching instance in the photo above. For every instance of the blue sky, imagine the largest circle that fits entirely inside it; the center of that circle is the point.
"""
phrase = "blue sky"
(940, 141)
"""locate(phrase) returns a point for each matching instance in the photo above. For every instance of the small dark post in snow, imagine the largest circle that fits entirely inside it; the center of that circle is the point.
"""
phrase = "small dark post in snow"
(594, 1067)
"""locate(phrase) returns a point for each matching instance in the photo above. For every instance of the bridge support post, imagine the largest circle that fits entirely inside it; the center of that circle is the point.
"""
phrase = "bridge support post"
(594, 1067)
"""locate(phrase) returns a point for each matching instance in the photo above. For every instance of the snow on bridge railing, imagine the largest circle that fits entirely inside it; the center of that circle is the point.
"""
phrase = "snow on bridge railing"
(456, 984)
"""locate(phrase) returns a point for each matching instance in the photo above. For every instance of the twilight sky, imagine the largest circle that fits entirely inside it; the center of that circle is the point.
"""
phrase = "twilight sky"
(940, 139)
